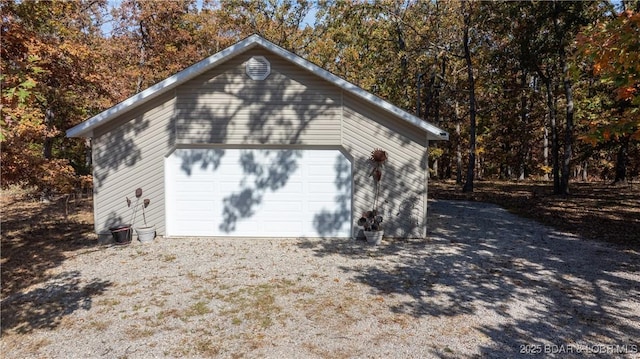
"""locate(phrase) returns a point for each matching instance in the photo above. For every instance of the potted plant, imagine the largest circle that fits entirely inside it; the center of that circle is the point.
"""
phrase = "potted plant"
(122, 234)
(145, 233)
(371, 221)
(371, 224)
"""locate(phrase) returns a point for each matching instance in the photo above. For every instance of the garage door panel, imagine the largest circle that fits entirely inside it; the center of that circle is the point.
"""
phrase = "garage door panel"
(320, 202)
(322, 180)
(194, 175)
(201, 206)
(265, 193)
(193, 190)
(196, 227)
(291, 188)
(322, 171)
(230, 171)
(323, 188)
(189, 218)
(230, 186)
(191, 193)
(250, 228)
(276, 207)
(284, 228)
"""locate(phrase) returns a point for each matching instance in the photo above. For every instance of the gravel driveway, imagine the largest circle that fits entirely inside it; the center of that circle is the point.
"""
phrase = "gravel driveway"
(484, 284)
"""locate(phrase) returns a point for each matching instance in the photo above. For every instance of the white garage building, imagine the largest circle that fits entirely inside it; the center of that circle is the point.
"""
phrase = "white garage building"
(256, 141)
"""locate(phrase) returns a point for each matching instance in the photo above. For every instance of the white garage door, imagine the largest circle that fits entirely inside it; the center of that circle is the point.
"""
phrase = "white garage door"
(258, 193)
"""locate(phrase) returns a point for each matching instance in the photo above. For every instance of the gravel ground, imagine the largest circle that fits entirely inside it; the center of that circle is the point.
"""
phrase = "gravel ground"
(484, 284)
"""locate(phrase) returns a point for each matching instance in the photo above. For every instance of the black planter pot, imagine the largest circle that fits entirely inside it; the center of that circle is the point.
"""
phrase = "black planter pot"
(121, 234)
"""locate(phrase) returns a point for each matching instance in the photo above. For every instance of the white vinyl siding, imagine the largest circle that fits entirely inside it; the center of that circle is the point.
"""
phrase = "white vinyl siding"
(128, 154)
(290, 107)
(403, 181)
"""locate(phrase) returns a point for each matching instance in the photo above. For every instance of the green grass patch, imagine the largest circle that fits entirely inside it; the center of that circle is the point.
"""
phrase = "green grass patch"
(258, 305)
(197, 309)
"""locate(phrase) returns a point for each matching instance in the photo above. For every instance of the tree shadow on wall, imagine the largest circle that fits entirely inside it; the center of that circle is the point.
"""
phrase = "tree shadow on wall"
(402, 212)
(203, 159)
(274, 114)
(259, 177)
(118, 149)
(329, 222)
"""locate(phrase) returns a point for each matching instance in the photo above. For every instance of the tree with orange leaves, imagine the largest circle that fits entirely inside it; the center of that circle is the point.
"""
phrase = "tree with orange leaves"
(50, 81)
(613, 47)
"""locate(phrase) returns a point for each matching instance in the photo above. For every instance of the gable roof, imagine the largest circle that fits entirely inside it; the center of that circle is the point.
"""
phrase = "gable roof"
(85, 129)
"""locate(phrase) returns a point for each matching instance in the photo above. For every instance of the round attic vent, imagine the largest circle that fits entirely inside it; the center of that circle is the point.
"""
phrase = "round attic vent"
(258, 68)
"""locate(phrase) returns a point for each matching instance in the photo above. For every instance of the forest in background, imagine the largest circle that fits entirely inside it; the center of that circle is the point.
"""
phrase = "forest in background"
(545, 90)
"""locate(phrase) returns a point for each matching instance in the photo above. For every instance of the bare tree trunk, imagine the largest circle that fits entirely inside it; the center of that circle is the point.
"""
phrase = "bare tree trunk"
(568, 134)
(446, 163)
(524, 115)
(621, 161)
(88, 159)
(545, 150)
(468, 186)
(555, 153)
(142, 55)
(555, 143)
(585, 177)
(47, 146)
(458, 147)
(141, 61)
(435, 168)
(47, 151)
(568, 139)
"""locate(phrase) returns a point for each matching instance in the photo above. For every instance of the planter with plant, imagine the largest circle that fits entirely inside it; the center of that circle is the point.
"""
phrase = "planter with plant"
(371, 221)
(145, 233)
(122, 233)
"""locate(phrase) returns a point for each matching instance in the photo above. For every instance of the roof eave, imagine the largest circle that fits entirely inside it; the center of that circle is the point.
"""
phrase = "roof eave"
(433, 132)
(85, 129)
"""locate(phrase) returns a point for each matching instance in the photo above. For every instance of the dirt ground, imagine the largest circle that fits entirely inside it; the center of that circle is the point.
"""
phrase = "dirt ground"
(37, 236)
(596, 211)
(486, 283)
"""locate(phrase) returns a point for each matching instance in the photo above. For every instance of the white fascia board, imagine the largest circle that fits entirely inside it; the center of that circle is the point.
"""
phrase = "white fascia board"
(85, 129)
(434, 133)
